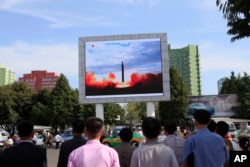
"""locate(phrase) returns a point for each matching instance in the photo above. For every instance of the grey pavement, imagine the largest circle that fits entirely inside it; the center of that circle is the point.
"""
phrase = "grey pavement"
(52, 156)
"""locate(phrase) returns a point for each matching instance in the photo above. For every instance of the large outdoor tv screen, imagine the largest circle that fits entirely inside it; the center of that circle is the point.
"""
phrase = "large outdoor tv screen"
(123, 68)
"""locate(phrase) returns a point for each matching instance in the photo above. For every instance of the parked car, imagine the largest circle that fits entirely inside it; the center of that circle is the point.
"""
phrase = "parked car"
(40, 141)
(116, 130)
(3, 137)
(115, 140)
(67, 135)
(196, 106)
(232, 130)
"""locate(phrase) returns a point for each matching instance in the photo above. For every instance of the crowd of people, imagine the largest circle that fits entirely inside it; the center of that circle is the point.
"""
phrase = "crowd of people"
(208, 146)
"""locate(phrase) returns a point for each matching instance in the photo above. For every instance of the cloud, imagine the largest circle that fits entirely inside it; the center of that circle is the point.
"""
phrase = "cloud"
(59, 16)
(24, 57)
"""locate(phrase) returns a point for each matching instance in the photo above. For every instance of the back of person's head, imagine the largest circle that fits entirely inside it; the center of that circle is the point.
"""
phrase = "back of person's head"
(212, 125)
(78, 126)
(94, 126)
(222, 128)
(244, 143)
(151, 127)
(126, 134)
(170, 126)
(202, 116)
(8, 143)
(25, 128)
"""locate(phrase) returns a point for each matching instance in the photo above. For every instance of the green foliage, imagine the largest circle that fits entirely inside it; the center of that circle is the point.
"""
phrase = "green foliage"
(230, 84)
(241, 87)
(15, 104)
(63, 103)
(40, 109)
(176, 108)
(132, 114)
(112, 112)
(89, 111)
(237, 14)
(8, 116)
(23, 99)
(173, 110)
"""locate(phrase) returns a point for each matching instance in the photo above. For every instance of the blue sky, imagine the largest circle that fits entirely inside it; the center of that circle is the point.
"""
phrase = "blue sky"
(138, 56)
(43, 34)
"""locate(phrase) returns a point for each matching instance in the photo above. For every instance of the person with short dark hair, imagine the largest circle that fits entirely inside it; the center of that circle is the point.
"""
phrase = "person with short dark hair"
(70, 145)
(244, 143)
(222, 129)
(208, 148)
(58, 139)
(25, 154)
(173, 141)
(125, 150)
(94, 153)
(153, 153)
(212, 125)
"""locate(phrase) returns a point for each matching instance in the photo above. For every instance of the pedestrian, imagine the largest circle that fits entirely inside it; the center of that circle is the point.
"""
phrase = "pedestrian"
(94, 153)
(173, 141)
(222, 129)
(35, 138)
(212, 126)
(8, 143)
(70, 145)
(49, 138)
(153, 153)
(25, 154)
(58, 139)
(208, 148)
(125, 150)
(244, 142)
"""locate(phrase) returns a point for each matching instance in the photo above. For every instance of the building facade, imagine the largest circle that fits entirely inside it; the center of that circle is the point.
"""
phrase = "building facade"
(187, 61)
(37, 80)
(6, 75)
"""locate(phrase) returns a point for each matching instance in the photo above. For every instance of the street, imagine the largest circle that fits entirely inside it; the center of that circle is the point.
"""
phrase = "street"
(52, 156)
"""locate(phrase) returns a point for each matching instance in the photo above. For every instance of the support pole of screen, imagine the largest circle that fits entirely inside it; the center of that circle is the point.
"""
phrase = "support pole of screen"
(150, 109)
(99, 111)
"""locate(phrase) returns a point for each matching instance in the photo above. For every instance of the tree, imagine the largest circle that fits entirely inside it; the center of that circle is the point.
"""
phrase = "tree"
(237, 14)
(141, 107)
(112, 112)
(8, 116)
(23, 99)
(176, 108)
(63, 104)
(132, 114)
(89, 110)
(41, 113)
(241, 87)
(230, 84)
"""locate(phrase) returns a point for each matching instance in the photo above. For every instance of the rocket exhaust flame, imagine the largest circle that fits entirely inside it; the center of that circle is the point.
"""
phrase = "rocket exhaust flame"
(148, 83)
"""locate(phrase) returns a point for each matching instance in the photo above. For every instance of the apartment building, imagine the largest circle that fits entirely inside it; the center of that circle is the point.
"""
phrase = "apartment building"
(187, 61)
(6, 75)
(37, 80)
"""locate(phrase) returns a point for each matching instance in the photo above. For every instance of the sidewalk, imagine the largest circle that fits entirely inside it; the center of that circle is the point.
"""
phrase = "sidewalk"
(52, 156)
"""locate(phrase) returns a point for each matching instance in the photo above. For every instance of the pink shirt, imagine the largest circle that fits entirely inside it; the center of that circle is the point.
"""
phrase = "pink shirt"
(93, 154)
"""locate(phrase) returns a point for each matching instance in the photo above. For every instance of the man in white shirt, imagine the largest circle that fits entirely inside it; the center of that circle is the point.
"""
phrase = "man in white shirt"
(58, 139)
(153, 153)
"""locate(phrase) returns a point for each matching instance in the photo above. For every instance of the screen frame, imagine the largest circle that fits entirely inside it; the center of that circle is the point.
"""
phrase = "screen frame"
(165, 96)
